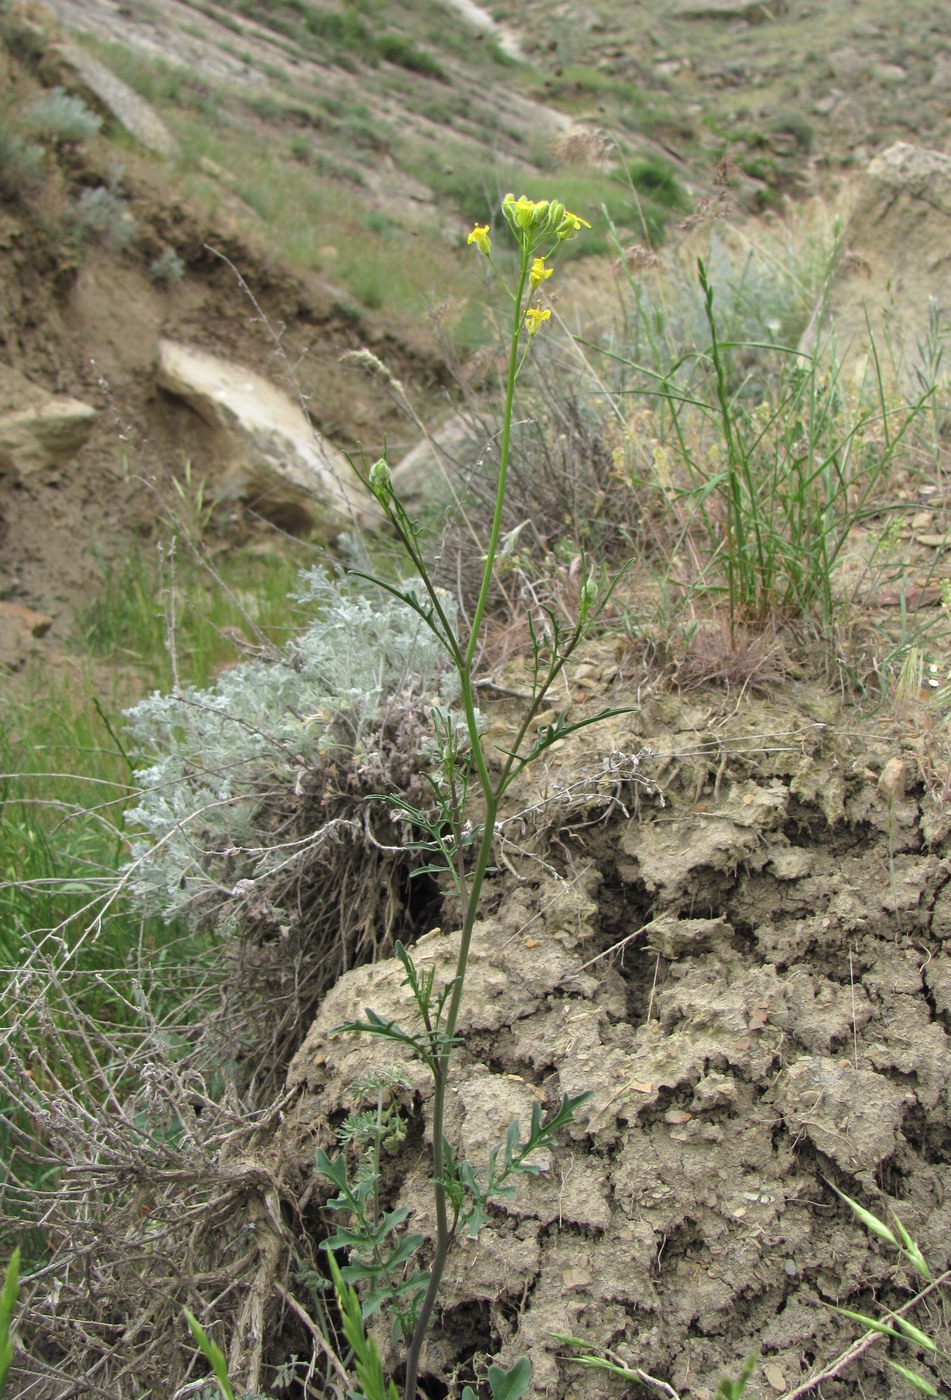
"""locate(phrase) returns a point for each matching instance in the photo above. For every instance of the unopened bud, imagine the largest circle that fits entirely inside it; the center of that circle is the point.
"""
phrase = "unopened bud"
(380, 481)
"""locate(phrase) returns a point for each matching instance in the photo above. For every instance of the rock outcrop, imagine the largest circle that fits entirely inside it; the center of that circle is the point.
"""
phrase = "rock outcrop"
(38, 429)
(268, 453)
(893, 277)
(77, 69)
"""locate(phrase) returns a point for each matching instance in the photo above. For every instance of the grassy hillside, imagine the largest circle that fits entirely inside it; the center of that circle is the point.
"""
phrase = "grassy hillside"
(721, 541)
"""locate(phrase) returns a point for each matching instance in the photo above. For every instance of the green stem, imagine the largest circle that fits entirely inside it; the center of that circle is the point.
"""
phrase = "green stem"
(444, 1232)
(492, 550)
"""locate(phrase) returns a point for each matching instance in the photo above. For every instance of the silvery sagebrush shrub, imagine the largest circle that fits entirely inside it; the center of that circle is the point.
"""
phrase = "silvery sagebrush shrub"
(59, 116)
(101, 215)
(218, 754)
(167, 269)
(21, 166)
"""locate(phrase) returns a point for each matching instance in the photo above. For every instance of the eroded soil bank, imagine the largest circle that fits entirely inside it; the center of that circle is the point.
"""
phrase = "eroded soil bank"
(772, 1021)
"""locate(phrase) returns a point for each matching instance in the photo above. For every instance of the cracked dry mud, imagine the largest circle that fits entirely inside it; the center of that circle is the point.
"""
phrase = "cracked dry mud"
(776, 1022)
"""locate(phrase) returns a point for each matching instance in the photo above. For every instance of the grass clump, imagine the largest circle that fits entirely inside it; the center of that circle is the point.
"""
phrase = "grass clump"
(395, 48)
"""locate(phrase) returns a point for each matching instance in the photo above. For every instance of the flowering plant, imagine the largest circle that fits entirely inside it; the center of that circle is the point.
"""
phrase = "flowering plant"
(461, 843)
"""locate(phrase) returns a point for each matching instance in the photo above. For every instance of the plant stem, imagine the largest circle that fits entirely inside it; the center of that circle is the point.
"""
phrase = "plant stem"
(489, 568)
(444, 1231)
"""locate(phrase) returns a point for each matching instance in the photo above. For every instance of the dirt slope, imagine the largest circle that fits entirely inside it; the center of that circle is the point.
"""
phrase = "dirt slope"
(748, 972)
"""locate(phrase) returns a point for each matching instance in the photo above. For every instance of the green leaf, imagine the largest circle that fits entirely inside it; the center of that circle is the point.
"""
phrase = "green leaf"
(212, 1354)
(911, 1250)
(915, 1333)
(369, 1366)
(733, 1390)
(386, 1030)
(565, 1111)
(924, 1387)
(348, 1239)
(513, 1383)
(568, 1340)
(409, 1288)
(8, 1297)
(553, 732)
(333, 1168)
(511, 1141)
(873, 1324)
(870, 1221)
(404, 1251)
(601, 1363)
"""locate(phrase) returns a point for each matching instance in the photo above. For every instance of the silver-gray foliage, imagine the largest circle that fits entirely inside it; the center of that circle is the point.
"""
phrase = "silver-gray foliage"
(59, 116)
(220, 756)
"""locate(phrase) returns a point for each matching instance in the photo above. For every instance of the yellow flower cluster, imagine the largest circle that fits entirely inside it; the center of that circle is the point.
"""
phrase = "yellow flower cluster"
(539, 225)
(541, 218)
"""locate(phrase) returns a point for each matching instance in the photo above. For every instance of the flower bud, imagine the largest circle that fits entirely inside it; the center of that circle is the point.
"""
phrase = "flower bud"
(380, 481)
(589, 594)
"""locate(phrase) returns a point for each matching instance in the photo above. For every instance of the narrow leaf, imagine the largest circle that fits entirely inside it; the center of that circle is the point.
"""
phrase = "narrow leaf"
(568, 1340)
(369, 1366)
(923, 1386)
(212, 1354)
(873, 1324)
(8, 1297)
(870, 1221)
(912, 1252)
(915, 1333)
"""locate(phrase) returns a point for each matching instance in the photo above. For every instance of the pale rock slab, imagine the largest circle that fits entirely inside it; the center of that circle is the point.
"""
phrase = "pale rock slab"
(270, 455)
(440, 464)
(80, 70)
(38, 429)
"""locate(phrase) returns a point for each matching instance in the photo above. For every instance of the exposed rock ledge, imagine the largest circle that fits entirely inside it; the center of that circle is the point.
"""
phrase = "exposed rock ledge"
(268, 452)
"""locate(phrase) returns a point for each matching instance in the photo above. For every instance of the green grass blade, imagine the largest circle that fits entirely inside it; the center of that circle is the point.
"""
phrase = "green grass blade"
(870, 1221)
(924, 1387)
(916, 1335)
(873, 1324)
(8, 1297)
(212, 1354)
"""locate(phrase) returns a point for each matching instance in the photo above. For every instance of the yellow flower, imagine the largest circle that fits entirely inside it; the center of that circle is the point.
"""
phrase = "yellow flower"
(570, 225)
(539, 272)
(525, 213)
(535, 317)
(480, 237)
